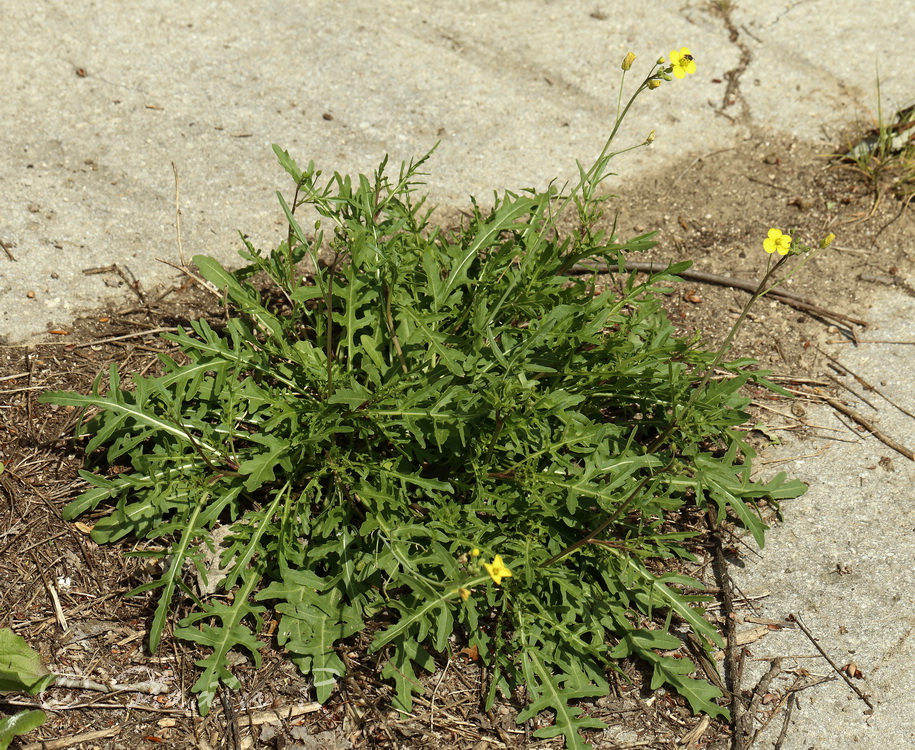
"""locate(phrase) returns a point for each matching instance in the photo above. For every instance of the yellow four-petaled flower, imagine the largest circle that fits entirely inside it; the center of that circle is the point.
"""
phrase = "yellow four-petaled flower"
(682, 62)
(777, 242)
(497, 570)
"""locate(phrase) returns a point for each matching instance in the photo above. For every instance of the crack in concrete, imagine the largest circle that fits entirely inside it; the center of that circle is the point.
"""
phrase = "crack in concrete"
(732, 92)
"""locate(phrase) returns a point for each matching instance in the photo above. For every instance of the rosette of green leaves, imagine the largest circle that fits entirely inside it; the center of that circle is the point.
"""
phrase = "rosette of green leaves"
(374, 413)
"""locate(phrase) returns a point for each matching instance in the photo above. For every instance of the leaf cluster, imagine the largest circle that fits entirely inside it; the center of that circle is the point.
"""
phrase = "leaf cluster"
(405, 394)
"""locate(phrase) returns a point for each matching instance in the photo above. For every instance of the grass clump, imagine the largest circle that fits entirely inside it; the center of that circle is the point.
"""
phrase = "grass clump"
(438, 432)
(885, 156)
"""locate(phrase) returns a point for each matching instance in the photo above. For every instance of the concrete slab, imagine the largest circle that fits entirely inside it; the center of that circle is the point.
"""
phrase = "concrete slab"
(842, 558)
(100, 100)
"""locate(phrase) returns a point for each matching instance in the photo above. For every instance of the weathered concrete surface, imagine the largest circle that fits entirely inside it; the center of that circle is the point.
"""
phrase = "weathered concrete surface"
(100, 99)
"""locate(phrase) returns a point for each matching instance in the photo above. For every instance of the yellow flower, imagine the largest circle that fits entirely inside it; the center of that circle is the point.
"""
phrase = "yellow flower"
(464, 594)
(627, 62)
(497, 570)
(776, 241)
(654, 83)
(682, 62)
(827, 241)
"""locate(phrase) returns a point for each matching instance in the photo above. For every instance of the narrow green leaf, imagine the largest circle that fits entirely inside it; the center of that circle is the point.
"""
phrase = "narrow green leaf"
(287, 162)
(169, 581)
(506, 217)
(669, 598)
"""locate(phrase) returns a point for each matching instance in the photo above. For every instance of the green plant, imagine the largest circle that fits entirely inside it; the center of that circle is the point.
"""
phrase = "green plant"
(377, 429)
(885, 156)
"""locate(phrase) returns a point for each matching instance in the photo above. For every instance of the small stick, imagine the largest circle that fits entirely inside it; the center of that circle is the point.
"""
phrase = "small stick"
(17, 376)
(759, 692)
(52, 592)
(139, 334)
(95, 342)
(130, 280)
(58, 610)
(432, 701)
(232, 719)
(852, 414)
(792, 702)
(797, 687)
(9, 253)
(865, 384)
(793, 379)
(851, 390)
(94, 704)
(786, 298)
(874, 341)
(257, 718)
(797, 619)
(203, 283)
(76, 739)
(81, 683)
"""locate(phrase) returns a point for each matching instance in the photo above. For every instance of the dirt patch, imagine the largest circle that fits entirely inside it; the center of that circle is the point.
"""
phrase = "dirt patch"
(62, 592)
(716, 209)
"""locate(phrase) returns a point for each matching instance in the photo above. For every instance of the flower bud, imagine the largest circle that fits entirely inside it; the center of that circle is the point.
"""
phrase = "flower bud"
(654, 83)
(660, 61)
(627, 62)
(650, 137)
(827, 240)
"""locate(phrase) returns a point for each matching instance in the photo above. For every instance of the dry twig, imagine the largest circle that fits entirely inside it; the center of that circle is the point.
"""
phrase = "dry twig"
(843, 369)
(796, 618)
(793, 300)
(759, 692)
(792, 702)
(81, 683)
(6, 249)
(76, 739)
(178, 218)
(869, 426)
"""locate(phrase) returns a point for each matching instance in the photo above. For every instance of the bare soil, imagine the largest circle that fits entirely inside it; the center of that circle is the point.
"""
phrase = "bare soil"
(63, 593)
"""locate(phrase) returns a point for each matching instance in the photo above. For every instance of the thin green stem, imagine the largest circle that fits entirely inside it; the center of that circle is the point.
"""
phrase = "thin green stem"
(329, 353)
(389, 321)
(722, 350)
(500, 422)
(592, 175)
